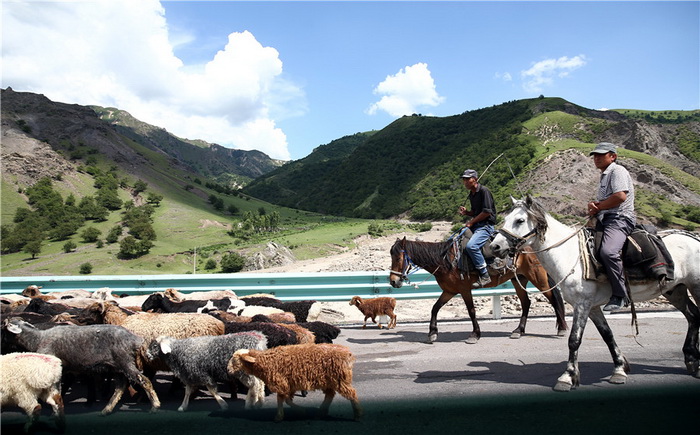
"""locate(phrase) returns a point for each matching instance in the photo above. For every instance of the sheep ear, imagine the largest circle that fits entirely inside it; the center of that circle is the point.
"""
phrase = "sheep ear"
(248, 358)
(165, 347)
(14, 328)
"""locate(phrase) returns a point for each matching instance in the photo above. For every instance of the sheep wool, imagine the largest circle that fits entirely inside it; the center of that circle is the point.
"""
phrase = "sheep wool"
(301, 367)
(203, 361)
(26, 378)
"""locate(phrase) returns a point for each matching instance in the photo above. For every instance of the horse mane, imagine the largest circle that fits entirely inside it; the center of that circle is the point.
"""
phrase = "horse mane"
(427, 255)
(538, 214)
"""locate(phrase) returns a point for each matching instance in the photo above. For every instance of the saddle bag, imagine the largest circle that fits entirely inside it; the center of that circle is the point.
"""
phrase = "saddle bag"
(644, 255)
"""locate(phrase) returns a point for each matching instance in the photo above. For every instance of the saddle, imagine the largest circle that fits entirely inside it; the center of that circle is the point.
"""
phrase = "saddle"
(644, 255)
(465, 264)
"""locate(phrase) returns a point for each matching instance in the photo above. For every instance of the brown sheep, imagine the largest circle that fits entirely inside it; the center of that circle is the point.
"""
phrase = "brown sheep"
(33, 291)
(301, 367)
(372, 308)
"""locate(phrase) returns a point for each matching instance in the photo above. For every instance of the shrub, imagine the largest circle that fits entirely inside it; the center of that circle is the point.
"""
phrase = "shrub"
(210, 265)
(232, 263)
(85, 268)
(69, 246)
(90, 234)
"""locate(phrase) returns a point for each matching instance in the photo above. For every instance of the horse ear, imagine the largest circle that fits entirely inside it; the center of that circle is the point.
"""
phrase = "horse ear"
(528, 200)
(513, 200)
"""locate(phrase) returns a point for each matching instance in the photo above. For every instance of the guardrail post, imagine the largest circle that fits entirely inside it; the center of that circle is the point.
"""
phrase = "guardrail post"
(496, 306)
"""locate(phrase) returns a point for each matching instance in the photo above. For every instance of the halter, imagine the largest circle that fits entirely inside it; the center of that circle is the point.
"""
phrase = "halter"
(407, 267)
(515, 241)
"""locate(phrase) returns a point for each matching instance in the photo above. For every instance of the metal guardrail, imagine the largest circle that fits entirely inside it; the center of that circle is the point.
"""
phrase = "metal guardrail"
(321, 286)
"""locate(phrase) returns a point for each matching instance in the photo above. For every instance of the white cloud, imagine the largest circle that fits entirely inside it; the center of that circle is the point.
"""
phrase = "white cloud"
(405, 91)
(506, 77)
(544, 72)
(119, 54)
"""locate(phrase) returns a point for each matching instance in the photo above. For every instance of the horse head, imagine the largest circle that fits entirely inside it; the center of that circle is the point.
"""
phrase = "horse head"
(525, 221)
(399, 263)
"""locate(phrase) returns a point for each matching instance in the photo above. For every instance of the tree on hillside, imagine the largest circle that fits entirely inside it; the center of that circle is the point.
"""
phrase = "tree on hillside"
(33, 248)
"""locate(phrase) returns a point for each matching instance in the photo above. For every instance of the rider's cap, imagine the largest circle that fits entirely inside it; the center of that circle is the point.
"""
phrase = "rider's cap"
(604, 148)
(470, 173)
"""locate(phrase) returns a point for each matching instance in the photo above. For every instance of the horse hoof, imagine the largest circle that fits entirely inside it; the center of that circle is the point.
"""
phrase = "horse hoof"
(472, 340)
(515, 334)
(563, 387)
(618, 379)
(561, 333)
(432, 338)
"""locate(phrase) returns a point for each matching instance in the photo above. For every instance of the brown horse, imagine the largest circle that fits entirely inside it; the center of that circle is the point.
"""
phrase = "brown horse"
(438, 259)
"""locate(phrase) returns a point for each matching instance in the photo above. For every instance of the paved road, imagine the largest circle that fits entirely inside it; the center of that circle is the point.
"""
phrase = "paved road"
(498, 385)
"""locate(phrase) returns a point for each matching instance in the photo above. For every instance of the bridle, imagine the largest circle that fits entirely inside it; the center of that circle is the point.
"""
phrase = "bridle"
(407, 267)
(516, 242)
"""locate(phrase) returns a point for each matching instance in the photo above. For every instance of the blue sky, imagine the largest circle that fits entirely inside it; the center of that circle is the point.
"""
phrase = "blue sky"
(285, 77)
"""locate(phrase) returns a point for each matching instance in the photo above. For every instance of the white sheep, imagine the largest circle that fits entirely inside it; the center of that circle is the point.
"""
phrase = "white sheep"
(26, 378)
(382, 307)
(301, 367)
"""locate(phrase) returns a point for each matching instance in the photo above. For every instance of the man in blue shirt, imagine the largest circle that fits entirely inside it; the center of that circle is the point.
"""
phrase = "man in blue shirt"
(614, 210)
(483, 219)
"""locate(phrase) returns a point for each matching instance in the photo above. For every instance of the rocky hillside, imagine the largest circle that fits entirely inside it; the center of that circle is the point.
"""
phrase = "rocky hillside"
(42, 137)
(411, 167)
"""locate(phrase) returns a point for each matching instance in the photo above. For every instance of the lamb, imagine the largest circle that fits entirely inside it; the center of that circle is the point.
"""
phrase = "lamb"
(177, 296)
(287, 369)
(33, 291)
(303, 311)
(373, 308)
(303, 335)
(277, 335)
(324, 332)
(90, 349)
(29, 377)
(159, 303)
(37, 305)
(203, 361)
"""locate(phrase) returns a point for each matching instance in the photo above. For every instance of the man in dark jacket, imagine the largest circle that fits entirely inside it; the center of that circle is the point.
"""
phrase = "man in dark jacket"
(483, 219)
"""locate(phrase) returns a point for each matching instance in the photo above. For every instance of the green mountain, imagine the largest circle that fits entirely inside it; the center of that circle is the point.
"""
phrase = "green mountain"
(188, 192)
(412, 166)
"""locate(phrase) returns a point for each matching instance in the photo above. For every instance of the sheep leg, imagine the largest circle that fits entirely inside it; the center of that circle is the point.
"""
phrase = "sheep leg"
(116, 396)
(392, 320)
(139, 378)
(33, 411)
(330, 394)
(256, 392)
(220, 400)
(53, 398)
(186, 400)
(280, 407)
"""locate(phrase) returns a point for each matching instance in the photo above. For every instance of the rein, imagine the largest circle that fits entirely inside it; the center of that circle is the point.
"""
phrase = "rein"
(520, 242)
(409, 268)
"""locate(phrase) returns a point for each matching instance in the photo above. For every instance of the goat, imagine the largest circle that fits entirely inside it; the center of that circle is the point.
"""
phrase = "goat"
(377, 307)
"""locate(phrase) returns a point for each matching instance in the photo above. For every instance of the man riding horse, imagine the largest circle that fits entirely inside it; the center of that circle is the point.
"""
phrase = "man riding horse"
(483, 213)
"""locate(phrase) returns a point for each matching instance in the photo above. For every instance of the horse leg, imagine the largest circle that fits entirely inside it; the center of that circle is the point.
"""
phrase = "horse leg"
(679, 299)
(525, 305)
(554, 297)
(622, 367)
(442, 300)
(476, 330)
(571, 378)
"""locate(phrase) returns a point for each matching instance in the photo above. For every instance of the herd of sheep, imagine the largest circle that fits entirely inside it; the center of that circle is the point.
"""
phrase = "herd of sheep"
(202, 338)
